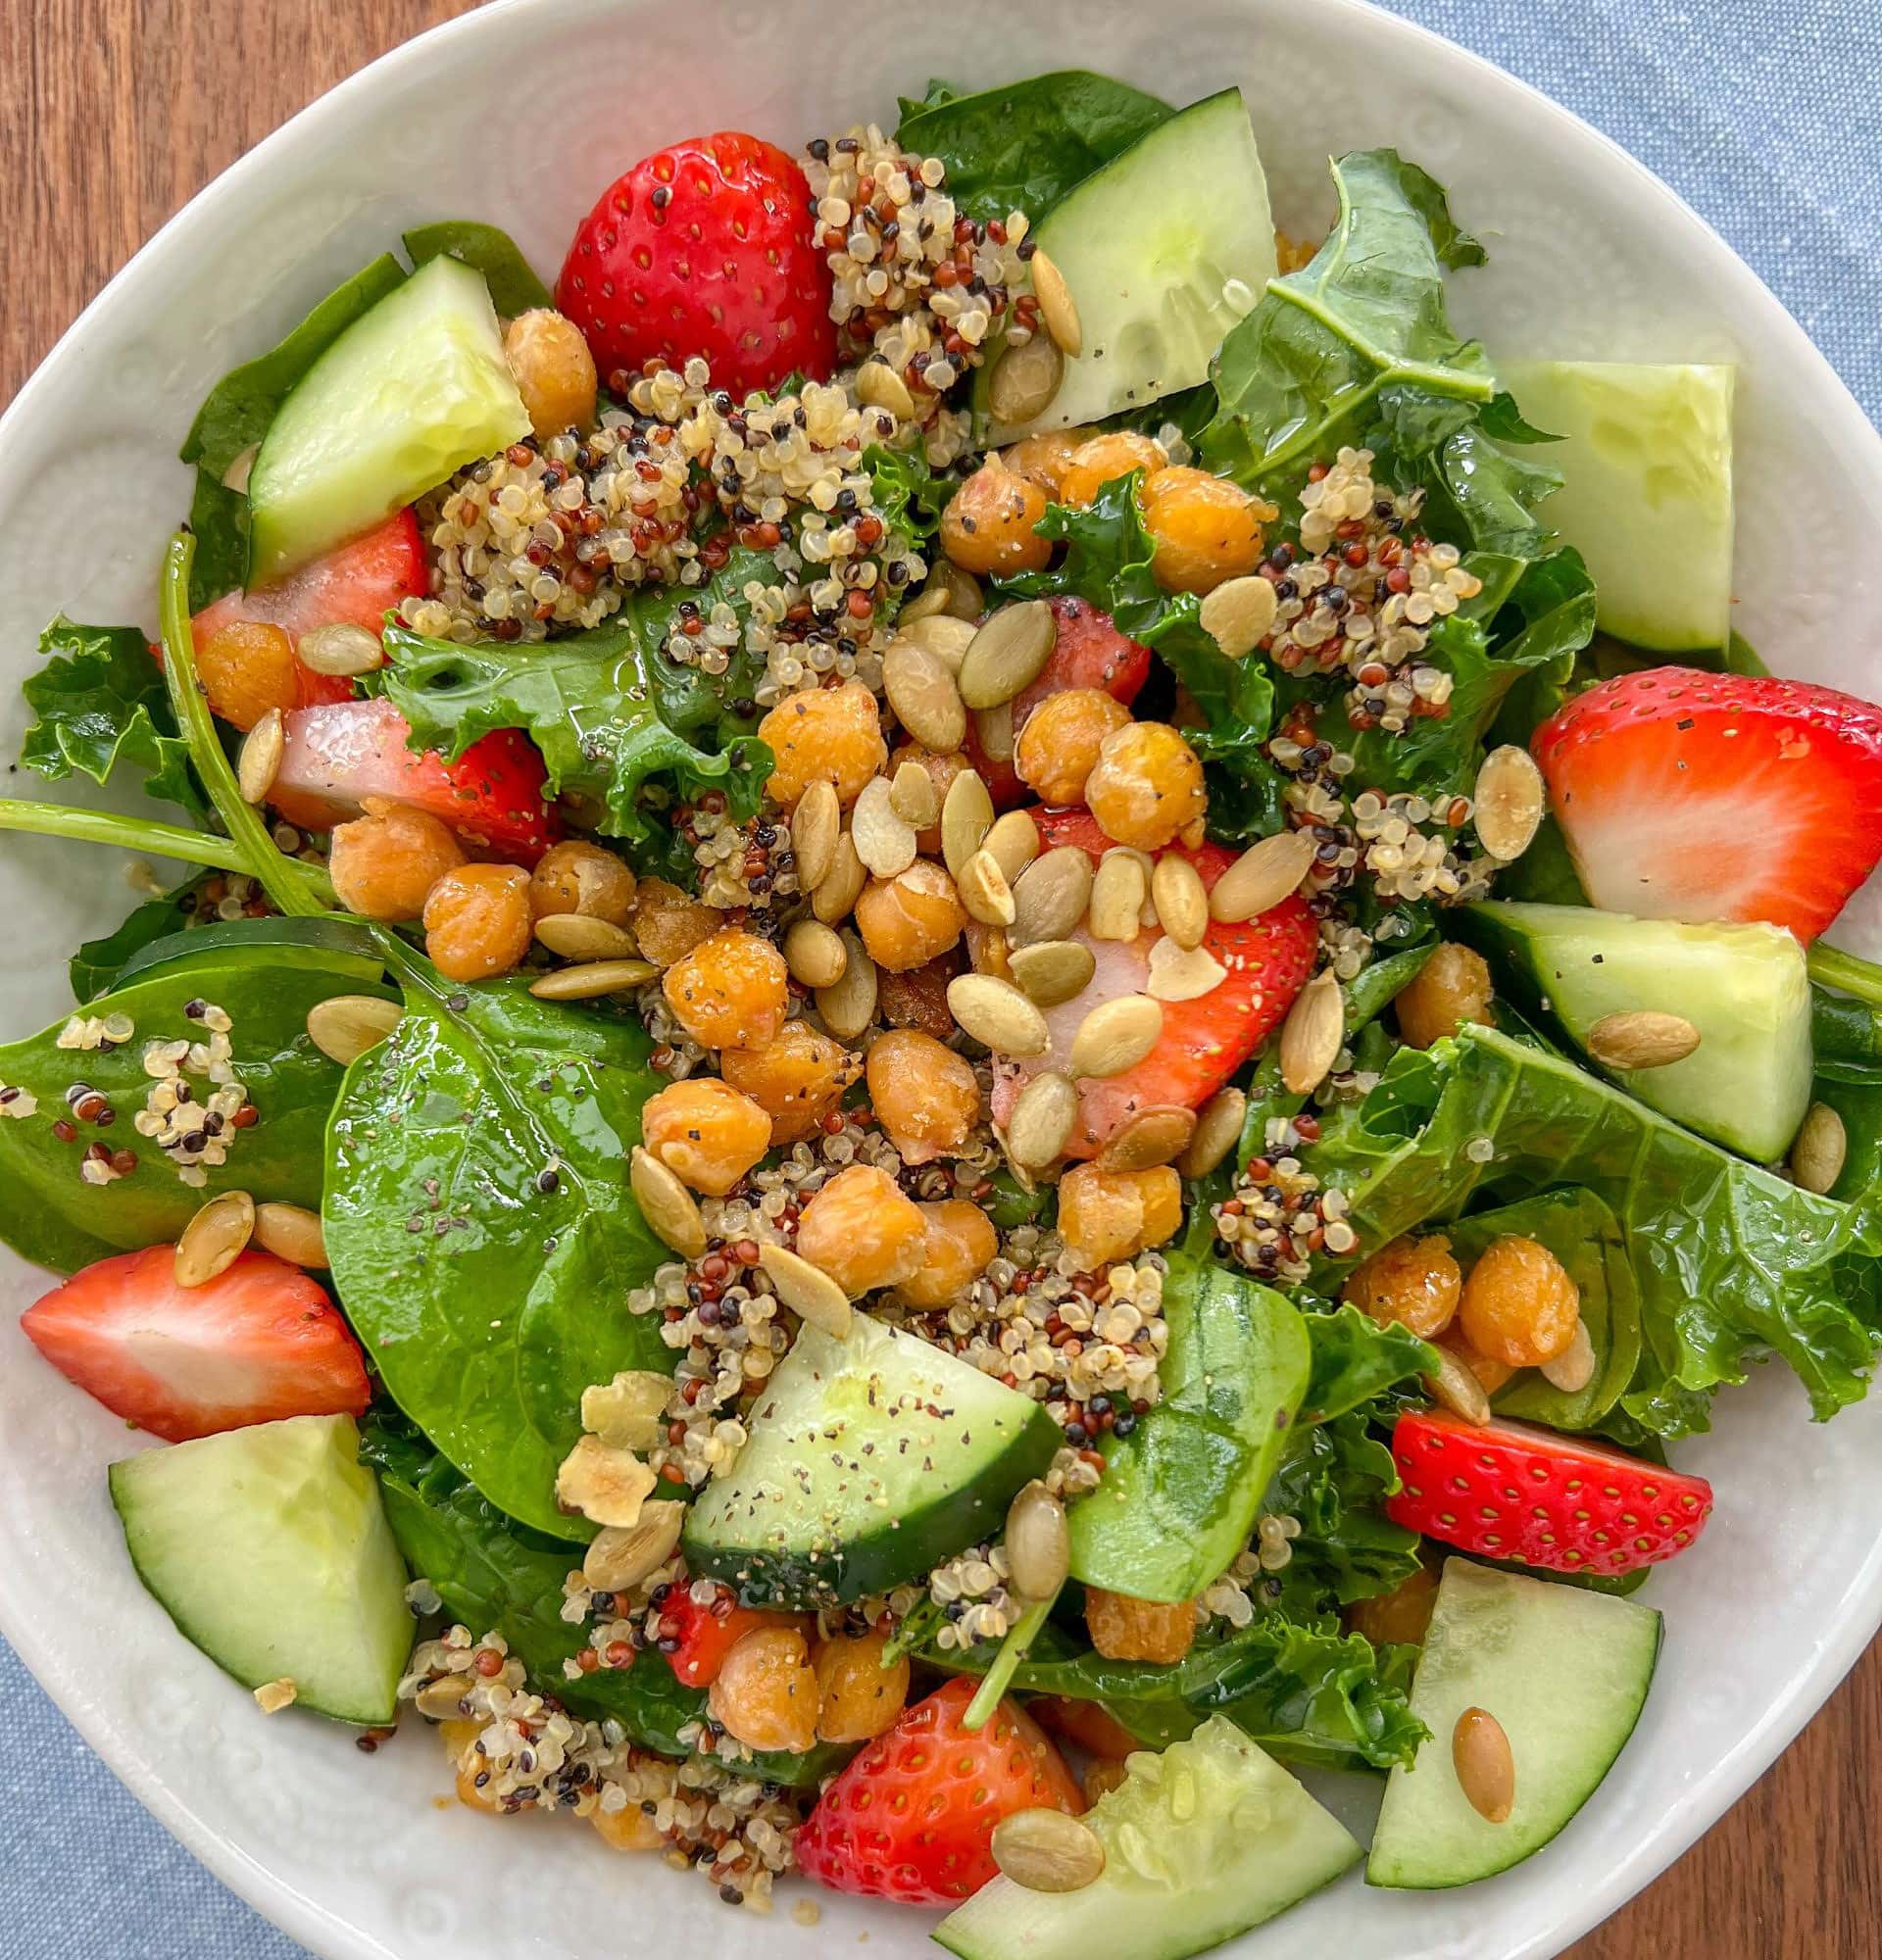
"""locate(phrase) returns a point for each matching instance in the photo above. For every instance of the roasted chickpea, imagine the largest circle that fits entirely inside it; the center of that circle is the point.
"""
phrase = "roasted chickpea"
(554, 370)
(668, 924)
(797, 1078)
(581, 877)
(1450, 988)
(384, 862)
(705, 1133)
(959, 1247)
(861, 1692)
(1105, 457)
(924, 1095)
(766, 1693)
(826, 734)
(988, 527)
(730, 990)
(1518, 1304)
(1415, 1282)
(1107, 1215)
(1206, 529)
(862, 1231)
(1059, 744)
(478, 922)
(907, 921)
(628, 1829)
(919, 997)
(457, 1735)
(1125, 1628)
(941, 772)
(247, 667)
(1044, 460)
(1146, 786)
(1399, 1617)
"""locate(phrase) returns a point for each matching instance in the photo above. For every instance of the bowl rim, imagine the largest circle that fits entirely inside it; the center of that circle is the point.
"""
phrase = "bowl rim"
(330, 1933)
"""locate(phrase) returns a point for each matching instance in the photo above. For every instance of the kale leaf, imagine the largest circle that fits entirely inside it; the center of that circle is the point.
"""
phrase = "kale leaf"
(1335, 1480)
(1355, 1360)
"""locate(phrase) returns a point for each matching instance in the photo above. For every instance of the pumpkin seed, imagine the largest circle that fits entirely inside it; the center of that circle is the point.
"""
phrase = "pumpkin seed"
(1052, 895)
(993, 729)
(816, 824)
(1239, 614)
(984, 889)
(885, 844)
(1574, 1367)
(1047, 1851)
(1024, 380)
(1014, 842)
(1057, 306)
(848, 1003)
(1641, 1039)
(965, 600)
(671, 1210)
(1038, 1543)
(930, 600)
(967, 816)
(1313, 1034)
(1486, 1769)
(442, 1701)
(1042, 1119)
(292, 1233)
(1177, 973)
(576, 936)
(1821, 1149)
(215, 1238)
(1182, 904)
(998, 1015)
(1262, 877)
(988, 951)
(1116, 1036)
(259, 759)
(1008, 653)
(945, 635)
(622, 1555)
(815, 954)
(340, 649)
(911, 796)
(1218, 1129)
(1022, 1176)
(879, 386)
(1509, 801)
(1151, 1137)
(808, 1290)
(1117, 894)
(1053, 970)
(1454, 1387)
(344, 1026)
(842, 885)
(921, 691)
(590, 981)
(236, 475)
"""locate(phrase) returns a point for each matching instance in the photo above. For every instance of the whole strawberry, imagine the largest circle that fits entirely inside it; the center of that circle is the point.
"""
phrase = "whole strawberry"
(704, 248)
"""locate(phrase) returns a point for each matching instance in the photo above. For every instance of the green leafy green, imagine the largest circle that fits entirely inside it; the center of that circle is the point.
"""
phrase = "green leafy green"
(1355, 1360)
(219, 523)
(479, 1226)
(99, 962)
(1335, 1480)
(514, 285)
(908, 495)
(1022, 146)
(1845, 1035)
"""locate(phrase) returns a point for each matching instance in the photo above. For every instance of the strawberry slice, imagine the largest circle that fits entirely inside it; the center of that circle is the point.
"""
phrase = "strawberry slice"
(1514, 1491)
(696, 1639)
(1707, 797)
(259, 1342)
(911, 1818)
(1204, 1041)
(1089, 652)
(338, 755)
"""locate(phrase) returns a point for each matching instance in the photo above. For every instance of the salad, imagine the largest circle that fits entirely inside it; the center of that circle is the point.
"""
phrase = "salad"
(992, 1008)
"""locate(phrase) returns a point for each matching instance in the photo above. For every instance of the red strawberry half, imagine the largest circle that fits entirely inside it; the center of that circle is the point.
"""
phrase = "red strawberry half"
(706, 247)
(259, 1342)
(1562, 1502)
(1204, 1041)
(1712, 796)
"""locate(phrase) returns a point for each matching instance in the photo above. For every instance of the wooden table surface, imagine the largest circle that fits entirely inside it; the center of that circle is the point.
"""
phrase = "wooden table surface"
(113, 113)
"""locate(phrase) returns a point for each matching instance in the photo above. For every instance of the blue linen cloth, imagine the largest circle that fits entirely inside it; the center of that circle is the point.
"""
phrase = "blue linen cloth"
(1761, 115)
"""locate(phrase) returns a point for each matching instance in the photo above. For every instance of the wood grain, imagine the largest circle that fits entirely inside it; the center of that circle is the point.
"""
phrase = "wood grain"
(113, 113)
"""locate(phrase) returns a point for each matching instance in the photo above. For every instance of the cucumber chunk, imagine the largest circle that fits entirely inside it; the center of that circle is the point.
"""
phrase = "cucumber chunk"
(1201, 1843)
(409, 393)
(269, 1549)
(1744, 987)
(1162, 251)
(1647, 492)
(1564, 1670)
(871, 1460)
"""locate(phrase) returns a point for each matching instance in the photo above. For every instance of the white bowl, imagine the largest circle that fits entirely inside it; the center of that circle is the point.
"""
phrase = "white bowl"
(519, 114)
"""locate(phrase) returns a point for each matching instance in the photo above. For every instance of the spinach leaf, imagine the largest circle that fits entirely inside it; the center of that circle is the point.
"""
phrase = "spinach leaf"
(1334, 1479)
(1355, 1360)
(1844, 1033)
(101, 964)
(1023, 146)
(479, 1227)
(219, 523)
(513, 286)
(56, 1219)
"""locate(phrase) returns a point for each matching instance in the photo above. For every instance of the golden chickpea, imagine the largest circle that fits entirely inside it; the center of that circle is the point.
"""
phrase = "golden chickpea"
(1491, 1375)
(826, 734)
(1450, 988)
(1105, 459)
(1207, 530)
(988, 527)
(457, 1735)
(554, 370)
(730, 990)
(924, 1095)
(862, 1694)
(478, 922)
(1399, 1617)
(959, 1247)
(766, 1693)
(1044, 460)
(1520, 1305)
(384, 862)
(941, 772)
(705, 1133)
(246, 668)
(862, 1231)
(1107, 1215)
(1413, 1281)
(1059, 744)
(668, 924)
(919, 997)
(581, 877)
(797, 1078)
(907, 921)
(628, 1829)
(1146, 786)
(1125, 1628)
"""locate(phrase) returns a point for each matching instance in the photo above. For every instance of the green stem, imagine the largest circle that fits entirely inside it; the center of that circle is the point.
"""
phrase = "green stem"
(288, 894)
(1846, 973)
(1006, 1664)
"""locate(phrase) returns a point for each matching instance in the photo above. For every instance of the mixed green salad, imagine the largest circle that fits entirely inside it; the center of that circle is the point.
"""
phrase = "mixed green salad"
(991, 1007)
